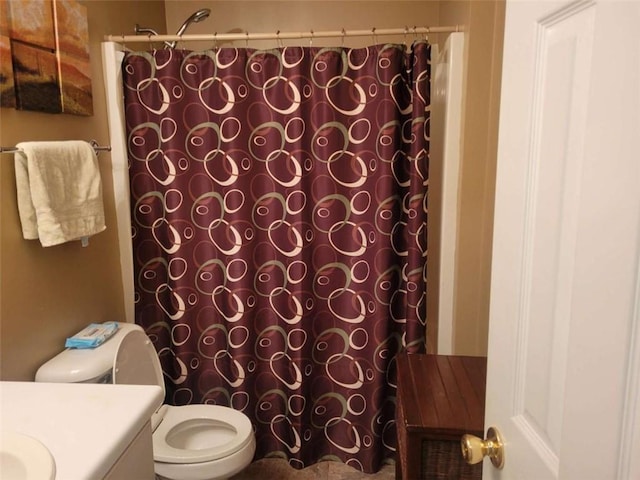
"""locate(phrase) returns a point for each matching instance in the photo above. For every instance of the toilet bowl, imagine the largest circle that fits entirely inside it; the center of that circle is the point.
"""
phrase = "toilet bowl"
(191, 442)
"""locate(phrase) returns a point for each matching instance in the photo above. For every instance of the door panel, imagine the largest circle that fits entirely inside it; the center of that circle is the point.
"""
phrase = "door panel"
(563, 324)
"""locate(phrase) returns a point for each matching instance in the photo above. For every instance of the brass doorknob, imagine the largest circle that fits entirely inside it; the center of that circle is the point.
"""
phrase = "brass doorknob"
(474, 449)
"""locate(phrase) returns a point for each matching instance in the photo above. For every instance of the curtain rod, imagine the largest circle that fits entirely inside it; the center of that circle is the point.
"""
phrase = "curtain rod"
(280, 35)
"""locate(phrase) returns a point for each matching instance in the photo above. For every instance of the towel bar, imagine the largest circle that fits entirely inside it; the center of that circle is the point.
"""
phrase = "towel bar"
(94, 144)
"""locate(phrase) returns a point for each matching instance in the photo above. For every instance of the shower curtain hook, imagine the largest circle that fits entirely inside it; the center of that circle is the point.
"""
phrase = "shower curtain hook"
(406, 30)
(215, 42)
(151, 47)
(247, 38)
(344, 34)
(311, 38)
(279, 40)
(373, 33)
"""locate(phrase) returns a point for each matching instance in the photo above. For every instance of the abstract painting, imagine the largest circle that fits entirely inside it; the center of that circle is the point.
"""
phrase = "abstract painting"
(7, 89)
(72, 47)
(7, 92)
(36, 79)
(48, 43)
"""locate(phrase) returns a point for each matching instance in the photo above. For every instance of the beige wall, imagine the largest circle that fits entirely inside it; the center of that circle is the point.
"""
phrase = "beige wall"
(303, 15)
(48, 294)
(484, 23)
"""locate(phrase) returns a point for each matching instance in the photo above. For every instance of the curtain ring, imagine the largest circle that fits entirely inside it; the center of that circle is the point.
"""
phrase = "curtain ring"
(311, 38)
(426, 35)
(151, 47)
(344, 34)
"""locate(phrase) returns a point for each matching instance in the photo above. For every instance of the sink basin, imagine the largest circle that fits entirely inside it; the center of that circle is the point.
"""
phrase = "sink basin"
(24, 458)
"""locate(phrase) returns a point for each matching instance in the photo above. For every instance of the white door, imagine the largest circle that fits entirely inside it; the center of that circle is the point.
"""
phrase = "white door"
(564, 340)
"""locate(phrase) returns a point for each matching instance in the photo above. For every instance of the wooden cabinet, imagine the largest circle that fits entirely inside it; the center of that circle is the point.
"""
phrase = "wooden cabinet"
(440, 398)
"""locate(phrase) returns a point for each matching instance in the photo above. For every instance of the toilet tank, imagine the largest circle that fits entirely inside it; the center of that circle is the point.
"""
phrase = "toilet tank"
(87, 365)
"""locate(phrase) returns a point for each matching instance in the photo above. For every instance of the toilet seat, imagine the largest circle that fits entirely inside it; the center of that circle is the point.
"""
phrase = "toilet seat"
(189, 434)
(225, 429)
(135, 361)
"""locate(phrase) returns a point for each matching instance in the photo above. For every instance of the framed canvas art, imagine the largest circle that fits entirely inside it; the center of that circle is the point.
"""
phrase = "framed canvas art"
(7, 89)
(48, 44)
(72, 47)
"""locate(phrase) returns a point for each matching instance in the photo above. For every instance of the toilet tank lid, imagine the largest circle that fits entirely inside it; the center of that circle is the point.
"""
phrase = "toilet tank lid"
(74, 365)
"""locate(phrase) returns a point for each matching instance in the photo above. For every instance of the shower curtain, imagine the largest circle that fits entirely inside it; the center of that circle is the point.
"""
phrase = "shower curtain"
(279, 216)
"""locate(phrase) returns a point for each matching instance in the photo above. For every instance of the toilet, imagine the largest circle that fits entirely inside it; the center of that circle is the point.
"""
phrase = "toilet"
(191, 442)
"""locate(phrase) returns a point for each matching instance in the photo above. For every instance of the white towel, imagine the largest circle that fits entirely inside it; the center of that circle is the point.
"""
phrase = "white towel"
(59, 191)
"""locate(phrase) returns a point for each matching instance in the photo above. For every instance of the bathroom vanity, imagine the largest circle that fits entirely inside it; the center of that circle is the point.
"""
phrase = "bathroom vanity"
(93, 431)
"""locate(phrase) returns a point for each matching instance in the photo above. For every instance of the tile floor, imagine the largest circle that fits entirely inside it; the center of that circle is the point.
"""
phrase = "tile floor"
(279, 469)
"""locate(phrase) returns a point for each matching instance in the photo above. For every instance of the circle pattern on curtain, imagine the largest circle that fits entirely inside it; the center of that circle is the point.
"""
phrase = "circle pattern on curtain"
(279, 222)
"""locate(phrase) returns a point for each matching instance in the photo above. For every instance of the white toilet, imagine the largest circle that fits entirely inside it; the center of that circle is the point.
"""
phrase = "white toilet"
(192, 442)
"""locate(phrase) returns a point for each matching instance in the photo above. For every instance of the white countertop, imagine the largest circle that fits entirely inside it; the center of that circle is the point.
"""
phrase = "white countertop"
(86, 427)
